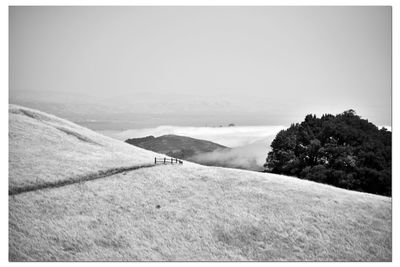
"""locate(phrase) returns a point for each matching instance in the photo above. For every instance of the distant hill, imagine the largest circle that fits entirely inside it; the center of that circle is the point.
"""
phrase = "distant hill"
(176, 146)
(248, 157)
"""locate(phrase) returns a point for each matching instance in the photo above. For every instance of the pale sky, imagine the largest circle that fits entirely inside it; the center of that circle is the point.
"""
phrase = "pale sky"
(193, 66)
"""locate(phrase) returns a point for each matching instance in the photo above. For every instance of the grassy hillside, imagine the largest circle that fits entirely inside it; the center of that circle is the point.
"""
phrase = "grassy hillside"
(182, 147)
(180, 212)
(44, 148)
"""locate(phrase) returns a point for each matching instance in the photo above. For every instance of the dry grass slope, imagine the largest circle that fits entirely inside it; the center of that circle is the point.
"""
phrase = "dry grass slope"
(187, 212)
(44, 149)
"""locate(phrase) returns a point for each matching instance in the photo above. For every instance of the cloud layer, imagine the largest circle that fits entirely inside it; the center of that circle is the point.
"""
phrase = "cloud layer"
(228, 136)
(249, 144)
(250, 157)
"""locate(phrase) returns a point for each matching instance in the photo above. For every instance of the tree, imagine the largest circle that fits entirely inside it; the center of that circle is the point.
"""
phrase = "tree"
(342, 150)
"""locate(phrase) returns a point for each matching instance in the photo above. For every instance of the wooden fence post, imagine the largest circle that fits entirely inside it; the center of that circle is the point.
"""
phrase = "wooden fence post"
(164, 160)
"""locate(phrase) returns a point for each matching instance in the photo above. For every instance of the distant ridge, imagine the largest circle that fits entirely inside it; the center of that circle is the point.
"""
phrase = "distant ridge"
(176, 146)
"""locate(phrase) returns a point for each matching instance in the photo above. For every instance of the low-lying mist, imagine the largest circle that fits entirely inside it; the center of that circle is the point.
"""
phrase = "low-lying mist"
(248, 145)
(227, 136)
(249, 157)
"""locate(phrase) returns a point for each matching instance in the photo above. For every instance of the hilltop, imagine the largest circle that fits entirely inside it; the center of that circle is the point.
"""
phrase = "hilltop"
(181, 212)
(177, 146)
(47, 149)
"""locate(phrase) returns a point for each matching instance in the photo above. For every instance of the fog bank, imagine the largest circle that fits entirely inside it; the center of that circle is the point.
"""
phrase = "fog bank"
(249, 157)
(248, 145)
(236, 136)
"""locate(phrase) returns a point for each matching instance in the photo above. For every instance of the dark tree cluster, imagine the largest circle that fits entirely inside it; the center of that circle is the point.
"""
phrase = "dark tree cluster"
(343, 150)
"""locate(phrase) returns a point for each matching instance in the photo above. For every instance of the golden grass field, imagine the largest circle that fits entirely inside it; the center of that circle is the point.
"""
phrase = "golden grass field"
(174, 213)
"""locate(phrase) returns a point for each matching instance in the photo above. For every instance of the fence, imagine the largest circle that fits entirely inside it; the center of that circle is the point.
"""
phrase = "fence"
(167, 161)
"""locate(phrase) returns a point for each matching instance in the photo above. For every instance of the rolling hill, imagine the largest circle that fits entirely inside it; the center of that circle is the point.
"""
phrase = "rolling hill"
(175, 145)
(46, 149)
(183, 212)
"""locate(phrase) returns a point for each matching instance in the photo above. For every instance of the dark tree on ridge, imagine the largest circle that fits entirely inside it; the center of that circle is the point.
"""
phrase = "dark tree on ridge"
(343, 150)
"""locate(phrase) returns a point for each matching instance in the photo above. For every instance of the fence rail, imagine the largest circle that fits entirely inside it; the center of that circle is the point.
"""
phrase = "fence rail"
(167, 161)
